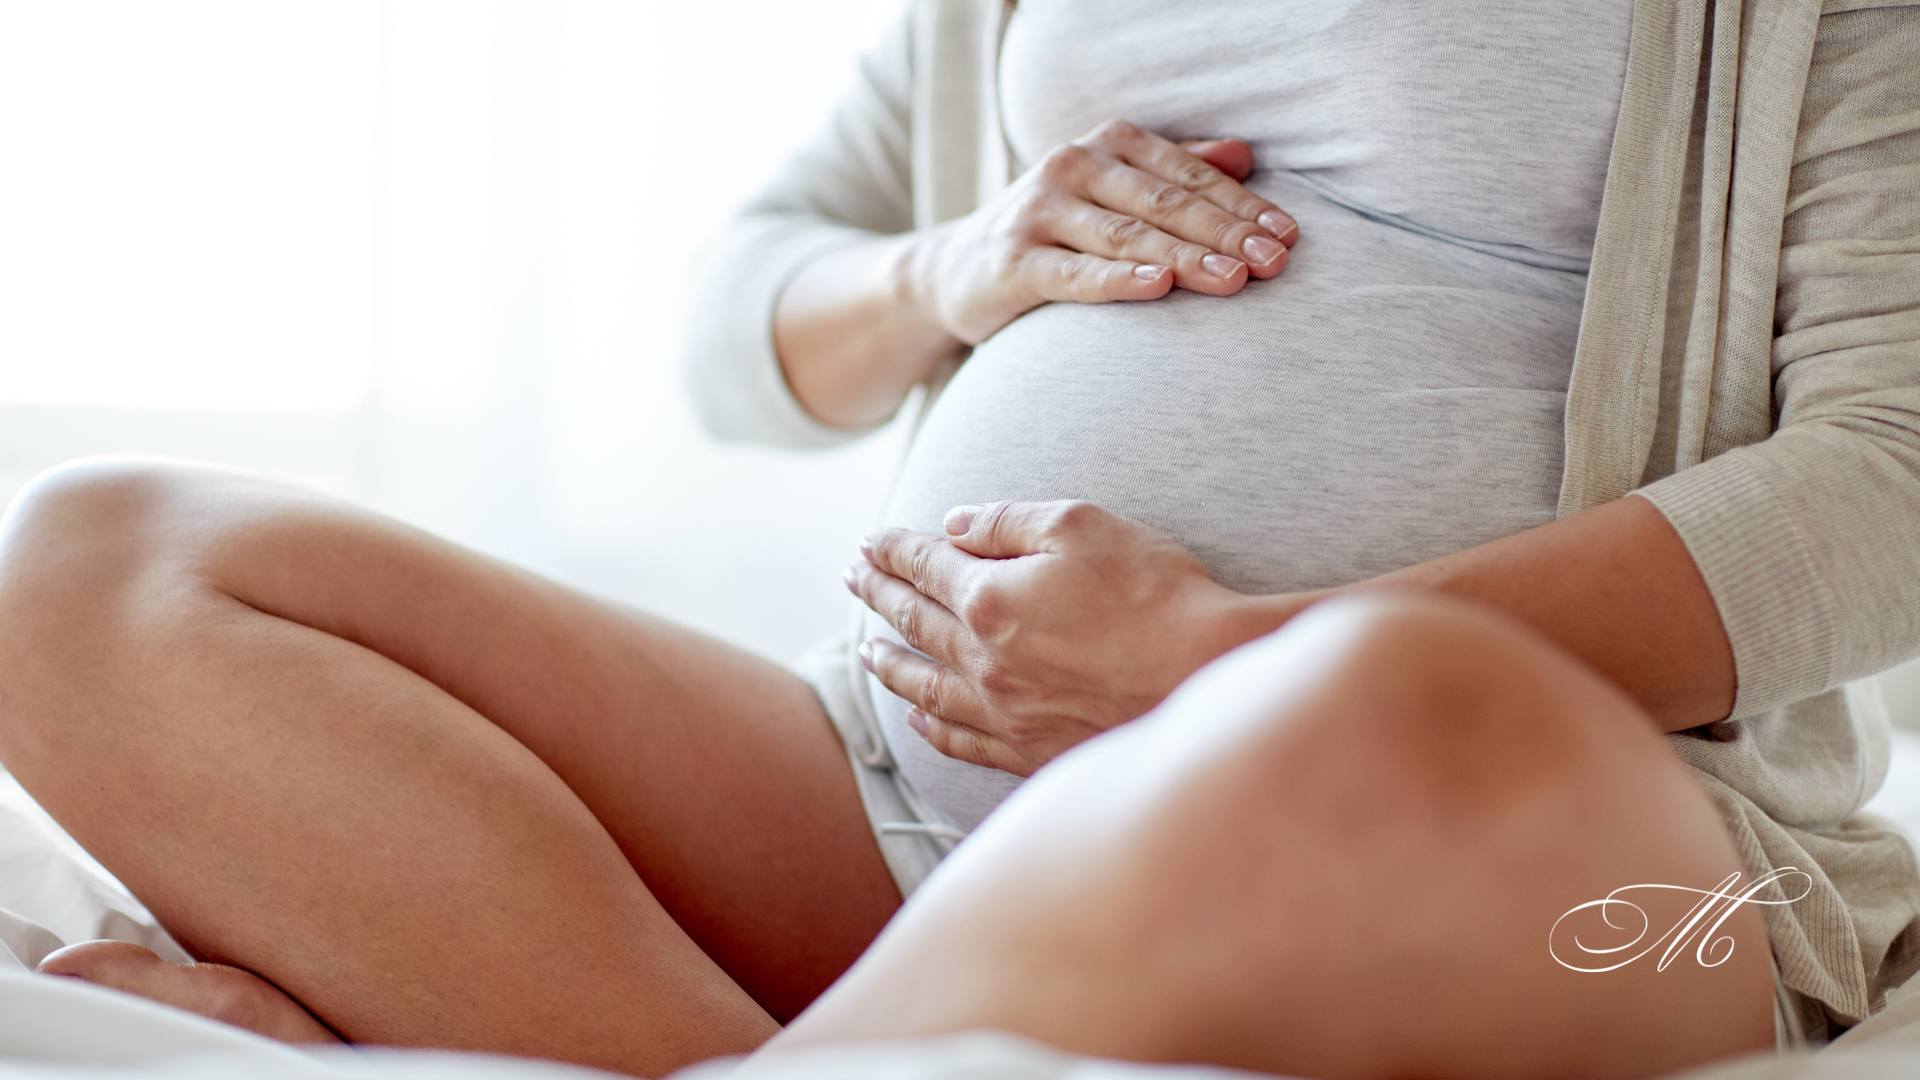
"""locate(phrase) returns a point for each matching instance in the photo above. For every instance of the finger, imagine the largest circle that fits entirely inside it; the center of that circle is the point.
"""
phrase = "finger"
(1190, 216)
(1150, 153)
(1097, 231)
(1104, 207)
(929, 563)
(963, 743)
(1009, 530)
(1230, 156)
(931, 685)
(921, 622)
(1077, 277)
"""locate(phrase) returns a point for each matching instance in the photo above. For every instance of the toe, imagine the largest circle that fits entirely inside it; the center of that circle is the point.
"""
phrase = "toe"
(216, 991)
(110, 963)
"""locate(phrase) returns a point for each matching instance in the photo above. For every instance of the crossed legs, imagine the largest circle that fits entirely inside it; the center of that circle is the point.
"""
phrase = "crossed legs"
(437, 800)
(440, 802)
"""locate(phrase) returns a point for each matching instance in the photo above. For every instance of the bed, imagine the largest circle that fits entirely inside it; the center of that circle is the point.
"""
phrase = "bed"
(52, 894)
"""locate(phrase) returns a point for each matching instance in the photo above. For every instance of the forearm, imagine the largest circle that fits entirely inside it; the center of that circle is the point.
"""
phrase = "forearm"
(854, 336)
(1612, 585)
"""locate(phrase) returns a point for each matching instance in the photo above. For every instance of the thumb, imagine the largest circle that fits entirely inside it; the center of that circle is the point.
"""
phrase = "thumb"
(1008, 530)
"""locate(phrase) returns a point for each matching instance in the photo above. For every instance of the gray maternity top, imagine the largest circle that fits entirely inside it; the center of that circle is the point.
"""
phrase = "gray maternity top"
(1397, 393)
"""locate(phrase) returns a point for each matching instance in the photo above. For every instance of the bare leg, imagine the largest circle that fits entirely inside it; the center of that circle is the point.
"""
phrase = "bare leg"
(1336, 853)
(437, 800)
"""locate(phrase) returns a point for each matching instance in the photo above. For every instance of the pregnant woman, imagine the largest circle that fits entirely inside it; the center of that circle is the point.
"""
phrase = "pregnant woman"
(1489, 386)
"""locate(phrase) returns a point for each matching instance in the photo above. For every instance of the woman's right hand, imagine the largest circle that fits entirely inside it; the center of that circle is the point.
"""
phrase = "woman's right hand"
(1117, 214)
(1120, 214)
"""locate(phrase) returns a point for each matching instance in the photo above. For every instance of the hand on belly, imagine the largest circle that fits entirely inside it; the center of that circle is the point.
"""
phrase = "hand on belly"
(1043, 624)
(1117, 214)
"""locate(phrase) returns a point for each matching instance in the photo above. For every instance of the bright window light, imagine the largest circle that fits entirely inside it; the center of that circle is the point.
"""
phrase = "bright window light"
(228, 204)
(186, 216)
(429, 255)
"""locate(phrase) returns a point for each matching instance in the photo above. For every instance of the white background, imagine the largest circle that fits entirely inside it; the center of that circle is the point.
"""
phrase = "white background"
(429, 254)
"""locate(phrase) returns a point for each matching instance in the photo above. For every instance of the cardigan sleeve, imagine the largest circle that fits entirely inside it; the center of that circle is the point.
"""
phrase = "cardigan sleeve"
(851, 181)
(1810, 540)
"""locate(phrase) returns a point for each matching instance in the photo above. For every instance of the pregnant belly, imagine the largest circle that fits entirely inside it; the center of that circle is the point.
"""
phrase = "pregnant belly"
(1281, 462)
(1313, 431)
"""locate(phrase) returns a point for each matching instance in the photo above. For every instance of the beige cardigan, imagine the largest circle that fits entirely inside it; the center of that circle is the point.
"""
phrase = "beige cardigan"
(1748, 359)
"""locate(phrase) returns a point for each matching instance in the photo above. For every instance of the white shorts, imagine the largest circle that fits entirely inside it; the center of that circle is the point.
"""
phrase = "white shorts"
(912, 837)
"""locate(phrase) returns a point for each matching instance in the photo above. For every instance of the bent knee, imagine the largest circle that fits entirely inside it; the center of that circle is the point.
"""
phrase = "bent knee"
(1411, 709)
(84, 539)
(1431, 673)
(1476, 666)
(92, 490)
(80, 523)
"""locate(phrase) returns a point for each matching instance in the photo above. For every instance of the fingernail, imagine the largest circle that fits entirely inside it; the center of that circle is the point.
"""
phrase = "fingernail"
(866, 655)
(1149, 273)
(852, 578)
(1280, 225)
(1220, 265)
(866, 548)
(960, 519)
(917, 720)
(1261, 251)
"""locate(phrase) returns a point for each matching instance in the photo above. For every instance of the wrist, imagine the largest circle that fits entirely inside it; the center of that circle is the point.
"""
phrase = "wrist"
(850, 335)
(915, 280)
(1231, 619)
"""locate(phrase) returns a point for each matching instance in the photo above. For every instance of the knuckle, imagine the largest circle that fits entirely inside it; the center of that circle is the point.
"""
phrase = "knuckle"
(1074, 514)
(997, 681)
(984, 609)
(1117, 131)
(906, 620)
(918, 561)
(1230, 234)
(1250, 207)
(1122, 232)
(1195, 175)
(991, 521)
(933, 691)
(1166, 198)
(1063, 163)
(974, 750)
(967, 745)
(1077, 268)
(1186, 254)
(940, 736)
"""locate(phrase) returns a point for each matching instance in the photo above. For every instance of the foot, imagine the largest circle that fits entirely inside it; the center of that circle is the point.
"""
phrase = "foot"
(222, 993)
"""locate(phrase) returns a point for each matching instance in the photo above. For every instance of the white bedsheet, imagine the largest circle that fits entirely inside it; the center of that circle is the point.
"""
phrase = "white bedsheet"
(52, 893)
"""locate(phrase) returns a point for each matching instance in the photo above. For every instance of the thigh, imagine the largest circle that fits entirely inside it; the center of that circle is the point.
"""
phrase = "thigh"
(1338, 852)
(714, 771)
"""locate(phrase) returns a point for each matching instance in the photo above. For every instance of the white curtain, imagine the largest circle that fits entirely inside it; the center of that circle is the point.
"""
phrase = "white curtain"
(427, 254)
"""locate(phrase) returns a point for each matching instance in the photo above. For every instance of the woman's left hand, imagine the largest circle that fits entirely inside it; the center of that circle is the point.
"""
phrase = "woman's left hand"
(1046, 624)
